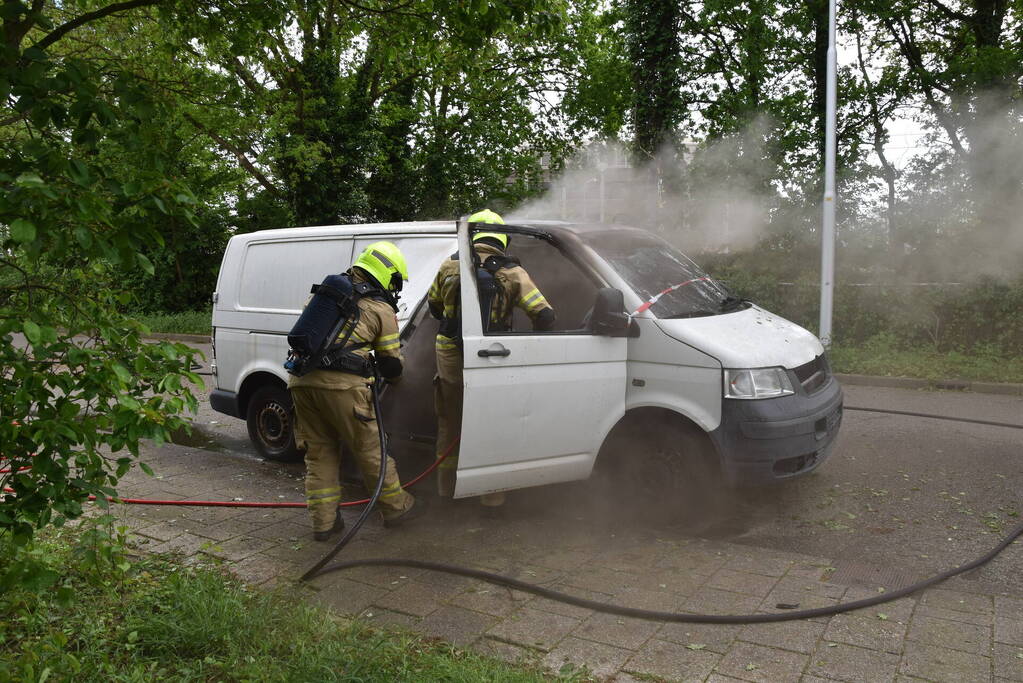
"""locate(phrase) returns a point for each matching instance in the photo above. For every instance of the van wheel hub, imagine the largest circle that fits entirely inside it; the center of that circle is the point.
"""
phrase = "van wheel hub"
(274, 424)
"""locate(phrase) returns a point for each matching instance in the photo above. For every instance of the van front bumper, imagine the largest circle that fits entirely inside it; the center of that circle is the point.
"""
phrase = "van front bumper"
(769, 440)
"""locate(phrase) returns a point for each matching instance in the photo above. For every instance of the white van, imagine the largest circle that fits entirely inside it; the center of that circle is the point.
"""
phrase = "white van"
(651, 366)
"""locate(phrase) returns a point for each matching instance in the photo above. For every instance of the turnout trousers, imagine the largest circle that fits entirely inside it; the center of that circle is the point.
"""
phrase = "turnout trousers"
(325, 418)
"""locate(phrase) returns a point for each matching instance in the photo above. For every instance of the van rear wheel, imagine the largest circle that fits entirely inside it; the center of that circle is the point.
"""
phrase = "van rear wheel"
(271, 421)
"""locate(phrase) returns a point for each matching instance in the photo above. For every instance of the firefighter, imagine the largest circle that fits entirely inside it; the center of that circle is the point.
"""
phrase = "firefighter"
(335, 406)
(515, 289)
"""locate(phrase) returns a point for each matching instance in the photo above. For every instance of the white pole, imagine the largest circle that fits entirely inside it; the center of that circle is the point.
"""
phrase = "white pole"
(828, 223)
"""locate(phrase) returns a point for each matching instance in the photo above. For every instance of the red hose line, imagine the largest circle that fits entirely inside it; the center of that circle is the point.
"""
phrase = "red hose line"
(242, 504)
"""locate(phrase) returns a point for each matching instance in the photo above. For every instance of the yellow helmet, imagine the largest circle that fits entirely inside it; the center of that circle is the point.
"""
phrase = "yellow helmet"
(488, 216)
(383, 262)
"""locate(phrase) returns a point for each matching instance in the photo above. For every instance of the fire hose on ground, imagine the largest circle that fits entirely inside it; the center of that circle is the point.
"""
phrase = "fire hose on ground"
(321, 567)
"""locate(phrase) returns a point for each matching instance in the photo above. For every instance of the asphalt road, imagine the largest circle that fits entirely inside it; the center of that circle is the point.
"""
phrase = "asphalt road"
(914, 495)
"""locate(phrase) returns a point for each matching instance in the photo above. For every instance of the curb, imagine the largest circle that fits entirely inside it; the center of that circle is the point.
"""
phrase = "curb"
(1005, 389)
(194, 338)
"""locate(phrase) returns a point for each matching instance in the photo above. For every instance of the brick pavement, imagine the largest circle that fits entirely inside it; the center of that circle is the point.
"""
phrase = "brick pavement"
(947, 634)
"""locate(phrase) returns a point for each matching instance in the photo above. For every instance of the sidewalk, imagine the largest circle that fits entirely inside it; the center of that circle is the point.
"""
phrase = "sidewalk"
(548, 536)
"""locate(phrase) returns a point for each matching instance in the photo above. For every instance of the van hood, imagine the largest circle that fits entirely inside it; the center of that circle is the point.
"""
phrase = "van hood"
(752, 338)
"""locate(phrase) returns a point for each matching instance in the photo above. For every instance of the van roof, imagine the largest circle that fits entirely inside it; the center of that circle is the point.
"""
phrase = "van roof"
(429, 227)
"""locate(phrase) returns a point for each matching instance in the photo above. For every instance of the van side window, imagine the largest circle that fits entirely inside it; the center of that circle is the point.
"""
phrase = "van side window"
(569, 290)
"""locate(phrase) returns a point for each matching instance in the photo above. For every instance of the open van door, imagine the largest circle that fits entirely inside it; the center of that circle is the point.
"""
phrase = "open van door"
(537, 405)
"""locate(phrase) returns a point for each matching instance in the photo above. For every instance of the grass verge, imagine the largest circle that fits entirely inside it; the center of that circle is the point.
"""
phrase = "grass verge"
(190, 322)
(889, 359)
(155, 618)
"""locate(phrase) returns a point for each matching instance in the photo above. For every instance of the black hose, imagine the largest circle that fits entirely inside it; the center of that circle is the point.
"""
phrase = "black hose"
(679, 616)
(657, 615)
(936, 417)
(314, 570)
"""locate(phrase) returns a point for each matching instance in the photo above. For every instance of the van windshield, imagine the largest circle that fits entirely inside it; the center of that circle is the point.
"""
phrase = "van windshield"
(656, 270)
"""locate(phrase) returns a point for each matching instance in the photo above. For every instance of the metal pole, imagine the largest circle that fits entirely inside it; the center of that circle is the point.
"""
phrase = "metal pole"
(828, 223)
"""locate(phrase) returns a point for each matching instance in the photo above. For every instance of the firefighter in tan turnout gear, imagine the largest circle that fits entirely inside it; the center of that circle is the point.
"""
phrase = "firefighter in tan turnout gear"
(336, 406)
(515, 289)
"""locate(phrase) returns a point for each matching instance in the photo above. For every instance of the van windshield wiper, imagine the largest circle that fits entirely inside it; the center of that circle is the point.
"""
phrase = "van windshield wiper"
(732, 303)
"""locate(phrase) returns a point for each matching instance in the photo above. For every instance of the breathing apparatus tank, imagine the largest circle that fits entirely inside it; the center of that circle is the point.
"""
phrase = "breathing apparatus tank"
(333, 309)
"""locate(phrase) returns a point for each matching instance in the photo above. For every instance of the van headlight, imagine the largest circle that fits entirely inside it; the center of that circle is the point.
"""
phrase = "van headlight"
(757, 383)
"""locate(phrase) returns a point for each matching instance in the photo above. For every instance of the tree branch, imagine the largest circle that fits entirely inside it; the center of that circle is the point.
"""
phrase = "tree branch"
(238, 154)
(64, 29)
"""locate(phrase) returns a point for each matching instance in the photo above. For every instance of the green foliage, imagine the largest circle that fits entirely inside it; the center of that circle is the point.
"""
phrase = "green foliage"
(79, 390)
(156, 619)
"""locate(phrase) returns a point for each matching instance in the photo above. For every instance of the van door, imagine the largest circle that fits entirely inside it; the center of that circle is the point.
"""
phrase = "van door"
(537, 405)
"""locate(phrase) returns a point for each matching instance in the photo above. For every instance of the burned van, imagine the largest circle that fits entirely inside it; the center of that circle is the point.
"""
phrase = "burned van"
(651, 362)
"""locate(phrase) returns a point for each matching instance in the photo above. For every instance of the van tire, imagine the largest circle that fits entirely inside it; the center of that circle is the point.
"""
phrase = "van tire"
(665, 473)
(270, 418)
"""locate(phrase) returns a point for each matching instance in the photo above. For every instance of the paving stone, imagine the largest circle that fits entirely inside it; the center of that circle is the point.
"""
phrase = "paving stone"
(713, 637)
(762, 564)
(282, 532)
(616, 630)
(490, 599)
(899, 610)
(803, 586)
(226, 530)
(848, 663)
(942, 664)
(160, 531)
(672, 661)
(506, 652)
(257, 569)
(599, 579)
(693, 561)
(185, 544)
(600, 659)
(348, 597)
(1008, 662)
(800, 600)
(671, 580)
(718, 678)
(564, 608)
(564, 560)
(716, 601)
(742, 582)
(376, 616)
(856, 628)
(808, 570)
(533, 628)
(953, 615)
(412, 597)
(751, 662)
(958, 601)
(951, 634)
(1009, 631)
(456, 625)
(1010, 607)
(237, 548)
(384, 577)
(798, 636)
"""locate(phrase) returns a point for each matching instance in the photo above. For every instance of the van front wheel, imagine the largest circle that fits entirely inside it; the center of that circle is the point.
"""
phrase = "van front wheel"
(271, 422)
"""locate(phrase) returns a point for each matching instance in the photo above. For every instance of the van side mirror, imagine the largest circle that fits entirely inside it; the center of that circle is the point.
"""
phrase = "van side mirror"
(609, 318)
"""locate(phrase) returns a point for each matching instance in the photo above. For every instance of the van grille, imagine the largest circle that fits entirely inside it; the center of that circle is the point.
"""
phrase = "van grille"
(813, 375)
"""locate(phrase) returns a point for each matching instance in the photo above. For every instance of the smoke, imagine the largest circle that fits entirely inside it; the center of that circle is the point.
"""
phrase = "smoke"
(703, 197)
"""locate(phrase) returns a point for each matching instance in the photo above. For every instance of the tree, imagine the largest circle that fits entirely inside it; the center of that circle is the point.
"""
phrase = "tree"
(79, 388)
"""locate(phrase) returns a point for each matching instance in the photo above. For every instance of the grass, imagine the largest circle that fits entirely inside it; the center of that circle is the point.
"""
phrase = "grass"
(191, 322)
(892, 360)
(157, 619)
